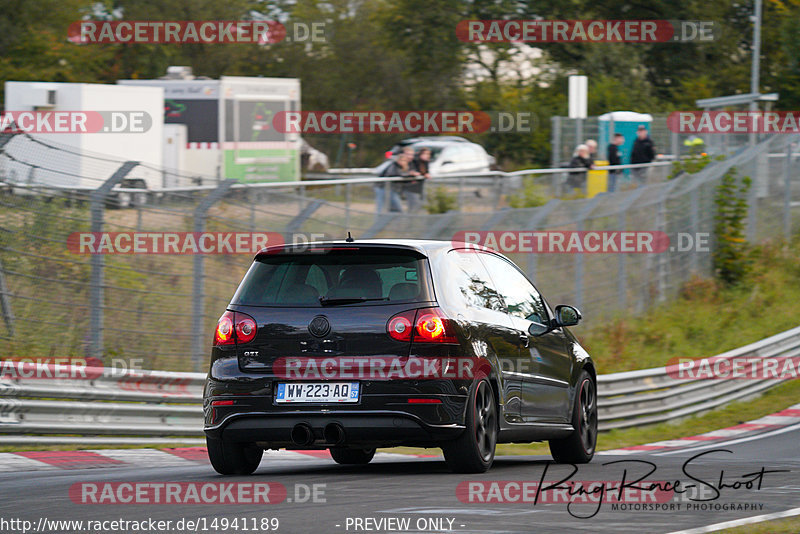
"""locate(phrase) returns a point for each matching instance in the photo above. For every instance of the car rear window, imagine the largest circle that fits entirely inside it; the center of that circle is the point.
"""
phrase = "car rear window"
(381, 276)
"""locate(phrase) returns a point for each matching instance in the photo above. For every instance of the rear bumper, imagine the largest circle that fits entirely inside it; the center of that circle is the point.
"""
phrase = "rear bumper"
(383, 415)
(361, 428)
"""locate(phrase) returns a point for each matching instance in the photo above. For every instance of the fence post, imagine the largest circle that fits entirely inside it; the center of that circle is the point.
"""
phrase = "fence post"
(498, 184)
(752, 201)
(787, 194)
(251, 199)
(301, 197)
(348, 191)
(662, 265)
(694, 221)
(97, 199)
(676, 149)
(555, 142)
(622, 223)
(587, 209)
(198, 277)
(8, 314)
(541, 213)
(5, 303)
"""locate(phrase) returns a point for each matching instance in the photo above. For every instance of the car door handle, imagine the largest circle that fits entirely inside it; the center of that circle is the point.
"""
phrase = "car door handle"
(523, 337)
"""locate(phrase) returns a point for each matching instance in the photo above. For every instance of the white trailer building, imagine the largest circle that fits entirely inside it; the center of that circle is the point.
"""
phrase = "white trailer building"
(68, 163)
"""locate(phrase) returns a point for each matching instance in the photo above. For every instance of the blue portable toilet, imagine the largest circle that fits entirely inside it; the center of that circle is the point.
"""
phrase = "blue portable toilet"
(626, 123)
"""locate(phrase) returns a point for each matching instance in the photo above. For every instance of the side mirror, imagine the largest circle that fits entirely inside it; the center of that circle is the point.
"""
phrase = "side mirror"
(567, 315)
(538, 326)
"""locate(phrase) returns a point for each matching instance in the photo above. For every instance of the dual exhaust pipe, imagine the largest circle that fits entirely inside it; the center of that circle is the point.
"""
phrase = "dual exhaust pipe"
(303, 434)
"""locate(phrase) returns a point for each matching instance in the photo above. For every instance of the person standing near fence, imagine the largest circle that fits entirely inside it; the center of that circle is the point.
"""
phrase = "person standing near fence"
(398, 167)
(614, 158)
(414, 188)
(592, 144)
(643, 152)
(581, 159)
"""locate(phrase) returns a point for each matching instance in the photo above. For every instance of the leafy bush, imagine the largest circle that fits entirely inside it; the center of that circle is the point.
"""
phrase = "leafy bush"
(731, 251)
(722, 317)
(440, 201)
(692, 164)
(530, 196)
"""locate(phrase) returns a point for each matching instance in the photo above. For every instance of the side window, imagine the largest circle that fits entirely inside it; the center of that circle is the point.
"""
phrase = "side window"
(521, 298)
(471, 283)
(476, 154)
(465, 154)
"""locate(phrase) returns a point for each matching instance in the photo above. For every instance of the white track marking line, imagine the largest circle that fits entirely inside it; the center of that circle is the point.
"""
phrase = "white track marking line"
(776, 420)
(739, 522)
(291, 455)
(14, 462)
(731, 442)
(143, 457)
(673, 443)
(724, 433)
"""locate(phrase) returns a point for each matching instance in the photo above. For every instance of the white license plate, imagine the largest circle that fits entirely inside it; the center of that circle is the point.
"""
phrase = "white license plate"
(317, 392)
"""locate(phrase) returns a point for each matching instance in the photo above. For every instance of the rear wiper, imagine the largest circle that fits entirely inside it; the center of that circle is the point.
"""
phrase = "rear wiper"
(351, 300)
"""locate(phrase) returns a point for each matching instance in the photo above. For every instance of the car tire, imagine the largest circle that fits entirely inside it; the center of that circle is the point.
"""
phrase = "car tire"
(231, 458)
(579, 446)
(473, 451)
(346, 456)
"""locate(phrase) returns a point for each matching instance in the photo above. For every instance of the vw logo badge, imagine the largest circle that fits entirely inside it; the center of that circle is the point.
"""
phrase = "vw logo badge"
(319, 326)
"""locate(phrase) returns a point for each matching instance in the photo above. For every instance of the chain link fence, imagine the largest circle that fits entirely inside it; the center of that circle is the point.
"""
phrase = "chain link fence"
(567, 134)
(162, 308)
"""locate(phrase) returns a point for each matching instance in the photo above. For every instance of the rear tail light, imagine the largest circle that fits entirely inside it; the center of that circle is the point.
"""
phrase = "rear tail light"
(245, 327)
(224, 332)
(234, 327)
(401, 325)
(430, 325)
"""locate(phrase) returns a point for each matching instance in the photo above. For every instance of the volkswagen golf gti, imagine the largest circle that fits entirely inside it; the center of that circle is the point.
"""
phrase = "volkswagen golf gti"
(354, 345)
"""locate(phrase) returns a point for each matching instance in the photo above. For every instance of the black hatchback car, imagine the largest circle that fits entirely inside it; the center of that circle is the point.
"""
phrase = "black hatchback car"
(350, 346)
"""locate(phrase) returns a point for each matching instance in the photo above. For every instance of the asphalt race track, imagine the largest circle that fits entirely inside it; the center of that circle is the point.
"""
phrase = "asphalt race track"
(422, 492)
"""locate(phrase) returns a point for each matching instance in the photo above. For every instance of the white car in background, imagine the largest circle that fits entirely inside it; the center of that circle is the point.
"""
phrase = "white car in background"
(449, 155)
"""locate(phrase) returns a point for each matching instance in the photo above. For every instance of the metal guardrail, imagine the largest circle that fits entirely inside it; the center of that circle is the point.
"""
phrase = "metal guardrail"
(160, 406)
(649, 396)
(357, 176)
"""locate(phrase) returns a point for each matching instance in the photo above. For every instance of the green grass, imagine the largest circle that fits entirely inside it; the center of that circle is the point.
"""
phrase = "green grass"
(706, 319)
